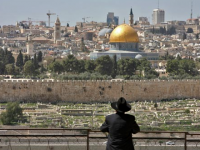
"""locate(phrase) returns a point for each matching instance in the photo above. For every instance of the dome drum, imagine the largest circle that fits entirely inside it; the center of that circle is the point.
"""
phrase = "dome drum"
(124, 46)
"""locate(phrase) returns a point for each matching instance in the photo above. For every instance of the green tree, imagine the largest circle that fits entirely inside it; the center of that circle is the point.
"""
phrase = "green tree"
(67, 24)
(39, 58)
(155, 106)
(172, 66)
(12, 114)
(20, 62)
(2, 67)
(81, 66)
(8, 58)
(90, 65)
(114, 69)
(29, 68)
(35, 61)
(42, 69)
(56, 67)
(171, 30)
(75, 29)
(187, 111)
(162, 30)
(181, 67)
(26, 59)
(104, 65)
(126, 66)
(144, 64)
(17, 70)
(71, 64)
(10, 69)
(188, 66)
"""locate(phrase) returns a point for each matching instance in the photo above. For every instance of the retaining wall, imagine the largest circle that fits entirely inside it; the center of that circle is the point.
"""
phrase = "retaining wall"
(96, 91)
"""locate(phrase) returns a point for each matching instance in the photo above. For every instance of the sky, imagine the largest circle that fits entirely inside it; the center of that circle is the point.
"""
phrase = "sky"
(73, 11)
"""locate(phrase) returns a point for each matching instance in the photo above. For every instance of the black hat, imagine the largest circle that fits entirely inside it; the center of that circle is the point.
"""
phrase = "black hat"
(121, 105)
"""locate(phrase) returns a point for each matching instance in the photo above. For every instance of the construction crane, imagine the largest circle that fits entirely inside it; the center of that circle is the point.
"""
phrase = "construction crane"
(49, 15)
(84, 19)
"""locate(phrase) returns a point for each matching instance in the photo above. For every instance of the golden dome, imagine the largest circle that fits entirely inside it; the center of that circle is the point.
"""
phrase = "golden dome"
(123, 34)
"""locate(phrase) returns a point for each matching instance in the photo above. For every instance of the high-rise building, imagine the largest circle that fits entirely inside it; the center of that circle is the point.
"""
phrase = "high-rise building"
(116, 20)
(111, 19)
(158, 16)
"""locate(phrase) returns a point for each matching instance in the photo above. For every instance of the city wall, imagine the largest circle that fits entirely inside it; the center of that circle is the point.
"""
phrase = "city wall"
(92, 147)
(96, 91)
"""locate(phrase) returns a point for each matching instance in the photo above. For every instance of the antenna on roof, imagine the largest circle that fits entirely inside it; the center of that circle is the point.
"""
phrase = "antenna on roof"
(191, 9)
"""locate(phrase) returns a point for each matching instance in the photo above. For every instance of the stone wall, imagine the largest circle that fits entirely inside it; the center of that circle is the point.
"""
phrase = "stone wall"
(98, 146)
(96, 91)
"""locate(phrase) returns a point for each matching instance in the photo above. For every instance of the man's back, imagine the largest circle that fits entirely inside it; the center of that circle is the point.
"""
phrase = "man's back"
(120, 127)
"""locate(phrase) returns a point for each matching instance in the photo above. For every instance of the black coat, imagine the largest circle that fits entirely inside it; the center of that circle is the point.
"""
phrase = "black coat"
(120, 128)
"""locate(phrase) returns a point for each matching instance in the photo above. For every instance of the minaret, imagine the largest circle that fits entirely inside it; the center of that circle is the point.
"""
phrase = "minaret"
(57, 31)
(131, 18)
(191, 10)
(29, 45)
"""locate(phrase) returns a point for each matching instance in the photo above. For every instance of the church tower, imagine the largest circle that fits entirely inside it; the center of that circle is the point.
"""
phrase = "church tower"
(29, 44)
(57, 30)
(131, 18)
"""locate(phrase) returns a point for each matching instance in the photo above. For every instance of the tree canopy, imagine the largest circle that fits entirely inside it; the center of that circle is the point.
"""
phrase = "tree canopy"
(56, 67)
(70, 64)
(181, 66)
(20, 61)
(29, 68)
(104, 65)
(39, 57)
(12, 114)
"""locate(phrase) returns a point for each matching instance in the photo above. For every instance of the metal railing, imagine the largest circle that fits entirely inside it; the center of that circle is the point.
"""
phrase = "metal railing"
(88, 138)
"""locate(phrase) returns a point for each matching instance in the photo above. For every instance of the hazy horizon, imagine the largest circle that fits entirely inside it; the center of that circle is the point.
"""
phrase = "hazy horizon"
(73, 11)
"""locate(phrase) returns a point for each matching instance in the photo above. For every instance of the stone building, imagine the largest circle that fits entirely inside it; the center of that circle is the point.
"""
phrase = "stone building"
(29, 45)
(124, 43)
(57, 30)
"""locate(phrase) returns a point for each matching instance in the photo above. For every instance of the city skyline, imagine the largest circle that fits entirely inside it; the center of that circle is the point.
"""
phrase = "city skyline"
(74, 11)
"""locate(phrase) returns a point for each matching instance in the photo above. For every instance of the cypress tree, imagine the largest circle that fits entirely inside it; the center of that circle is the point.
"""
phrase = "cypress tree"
(39, 58)
(76, 29)
(184, 36)
(35, 62)
(153, 30)
(114, 68)
(26, 59)
(20, 62)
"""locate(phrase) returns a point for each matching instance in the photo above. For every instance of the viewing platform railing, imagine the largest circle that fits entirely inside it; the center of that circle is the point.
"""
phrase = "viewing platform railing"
(87, 139)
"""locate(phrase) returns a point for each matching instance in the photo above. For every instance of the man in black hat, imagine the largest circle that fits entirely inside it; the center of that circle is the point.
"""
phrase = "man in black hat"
(120, 126)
